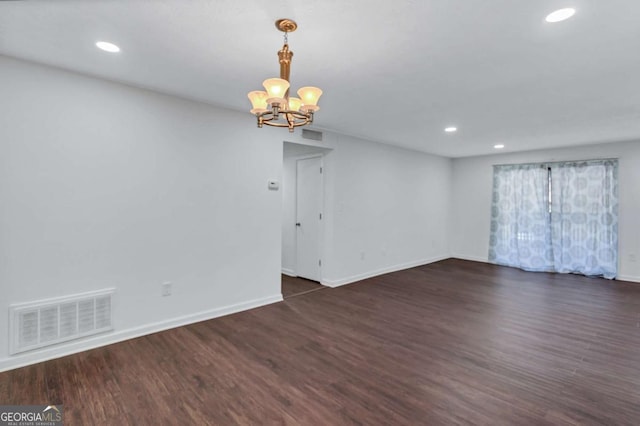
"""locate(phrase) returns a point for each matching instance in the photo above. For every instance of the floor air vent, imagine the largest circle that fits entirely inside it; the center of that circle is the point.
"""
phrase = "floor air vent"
(48, 322)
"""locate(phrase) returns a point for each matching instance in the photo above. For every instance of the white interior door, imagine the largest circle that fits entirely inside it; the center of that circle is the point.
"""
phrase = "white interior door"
(308, 217)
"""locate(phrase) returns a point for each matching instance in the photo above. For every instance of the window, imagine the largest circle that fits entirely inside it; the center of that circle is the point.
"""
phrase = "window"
(557, 217)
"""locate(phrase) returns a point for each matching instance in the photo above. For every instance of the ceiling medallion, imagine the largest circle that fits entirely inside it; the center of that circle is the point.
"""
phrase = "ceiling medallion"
(275, 107)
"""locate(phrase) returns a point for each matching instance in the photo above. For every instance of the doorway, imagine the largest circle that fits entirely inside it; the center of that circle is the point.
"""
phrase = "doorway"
(303, 216)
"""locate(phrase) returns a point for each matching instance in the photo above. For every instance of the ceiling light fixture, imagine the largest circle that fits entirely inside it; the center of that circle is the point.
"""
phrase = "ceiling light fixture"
(107, 47)
(274, 107)
(451, 129)
(560, 15)
(498, 146)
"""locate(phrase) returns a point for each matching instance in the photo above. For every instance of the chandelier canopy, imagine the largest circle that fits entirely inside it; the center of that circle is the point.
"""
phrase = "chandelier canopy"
(274, 107)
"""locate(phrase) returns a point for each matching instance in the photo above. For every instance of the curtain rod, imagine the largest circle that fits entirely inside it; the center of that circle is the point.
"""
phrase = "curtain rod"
(542, 163)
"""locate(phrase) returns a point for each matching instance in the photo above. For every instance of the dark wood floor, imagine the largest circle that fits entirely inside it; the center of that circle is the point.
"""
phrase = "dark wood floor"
(295, 286)
(453, 342)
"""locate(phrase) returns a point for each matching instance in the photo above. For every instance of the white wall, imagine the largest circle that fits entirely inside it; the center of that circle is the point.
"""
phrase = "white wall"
(386, 208)
(390, 207)
(472, 186)
(104, 185)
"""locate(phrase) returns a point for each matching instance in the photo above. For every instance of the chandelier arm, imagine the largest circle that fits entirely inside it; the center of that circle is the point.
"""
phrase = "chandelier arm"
(302, 120)
(298, 114)
(291, 121)
(276, 124)
(269, 115)
(280, 124)
(296, 119)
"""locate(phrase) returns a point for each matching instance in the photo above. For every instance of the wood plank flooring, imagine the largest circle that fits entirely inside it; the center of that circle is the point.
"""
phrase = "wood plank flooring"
(295, 286)
(451, 343)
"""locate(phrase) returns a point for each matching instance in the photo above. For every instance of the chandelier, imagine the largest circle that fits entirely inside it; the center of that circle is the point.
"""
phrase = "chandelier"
(275, 107)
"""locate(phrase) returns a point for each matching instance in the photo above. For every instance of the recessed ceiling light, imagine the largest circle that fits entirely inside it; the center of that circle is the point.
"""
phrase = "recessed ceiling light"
(560, 15)
(451, 129)
(107, 47)
(498, 146)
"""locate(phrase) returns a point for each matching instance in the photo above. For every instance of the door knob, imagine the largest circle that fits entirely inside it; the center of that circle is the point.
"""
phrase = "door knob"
(298, 224)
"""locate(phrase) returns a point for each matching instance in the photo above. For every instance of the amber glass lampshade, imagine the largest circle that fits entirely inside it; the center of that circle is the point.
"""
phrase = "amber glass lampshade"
(276, 90)
(310, 96)
(258, 100)
(295, 104)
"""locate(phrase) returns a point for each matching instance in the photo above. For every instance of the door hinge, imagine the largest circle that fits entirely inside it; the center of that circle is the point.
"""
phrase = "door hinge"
(320, 216)
(319, 262)
(320, 170)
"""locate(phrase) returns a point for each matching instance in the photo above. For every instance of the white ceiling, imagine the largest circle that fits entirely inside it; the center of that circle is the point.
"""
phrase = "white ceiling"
(392, 71)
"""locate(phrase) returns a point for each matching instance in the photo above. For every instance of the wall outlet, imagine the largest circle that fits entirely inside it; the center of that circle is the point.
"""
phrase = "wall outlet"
(166, 289)
(632, 257)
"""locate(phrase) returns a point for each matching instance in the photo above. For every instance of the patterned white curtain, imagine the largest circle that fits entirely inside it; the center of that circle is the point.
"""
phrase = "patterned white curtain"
(559, 217)
(585, 217)
(520, 221)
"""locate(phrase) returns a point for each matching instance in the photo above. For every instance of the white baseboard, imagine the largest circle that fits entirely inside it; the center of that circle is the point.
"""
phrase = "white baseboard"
(119, 336)
(386, 270)
(289, 272)
(471, 258)
(629, 278)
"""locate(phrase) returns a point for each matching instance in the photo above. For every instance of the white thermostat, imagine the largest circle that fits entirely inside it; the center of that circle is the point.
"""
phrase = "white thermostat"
(274, 185)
